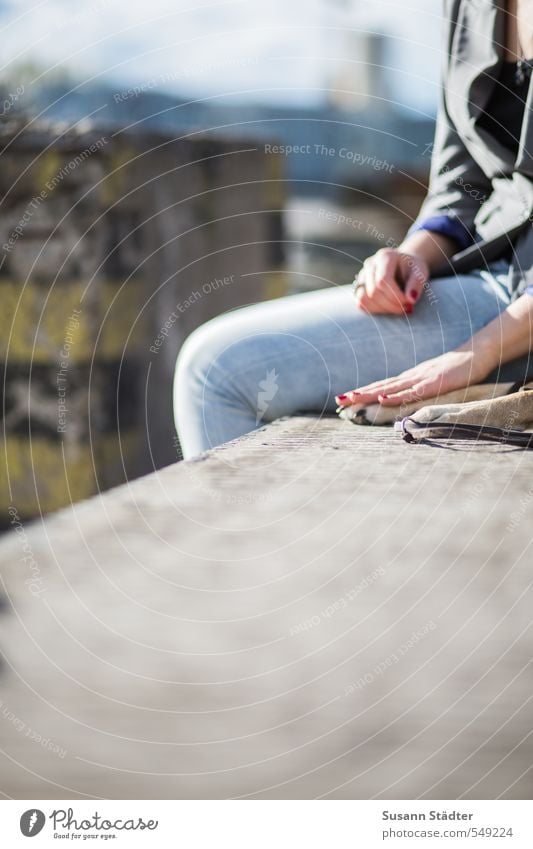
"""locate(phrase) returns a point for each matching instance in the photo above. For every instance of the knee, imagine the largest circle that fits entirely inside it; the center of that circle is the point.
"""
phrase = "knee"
(213, 355)
(232, 359)
(196, 357)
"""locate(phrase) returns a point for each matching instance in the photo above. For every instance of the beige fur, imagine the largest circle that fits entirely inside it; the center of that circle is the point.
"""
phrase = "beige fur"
(482, 404)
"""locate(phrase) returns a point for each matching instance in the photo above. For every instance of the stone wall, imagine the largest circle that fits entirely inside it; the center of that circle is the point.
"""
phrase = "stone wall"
(114, 246)
(315, 610)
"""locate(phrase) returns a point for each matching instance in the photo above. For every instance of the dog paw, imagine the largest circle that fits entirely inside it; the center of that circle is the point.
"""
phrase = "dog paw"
(355, 414)
(371, 414)
(438, 412)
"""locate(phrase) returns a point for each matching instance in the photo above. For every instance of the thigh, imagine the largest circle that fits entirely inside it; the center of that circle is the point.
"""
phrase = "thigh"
(312, 346)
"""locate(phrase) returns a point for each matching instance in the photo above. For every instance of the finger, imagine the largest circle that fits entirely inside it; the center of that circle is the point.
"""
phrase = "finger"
(389, 301)
(385, 276)
(343, 400)
(379, 299)
(366, 276)
(359, 291)
(359, 284)
(381, 294)
(366, 396)
(362, 300)
(406, 378)
(417, 392)
(371, 303)
(369, 272)
(415, 280)
(377, 303)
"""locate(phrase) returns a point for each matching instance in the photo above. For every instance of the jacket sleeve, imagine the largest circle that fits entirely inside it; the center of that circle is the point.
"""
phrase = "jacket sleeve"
(457, 184)
(446, 226)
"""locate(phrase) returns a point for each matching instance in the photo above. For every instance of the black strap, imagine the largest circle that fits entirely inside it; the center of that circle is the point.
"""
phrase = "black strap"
(518, 386)
(481, 433)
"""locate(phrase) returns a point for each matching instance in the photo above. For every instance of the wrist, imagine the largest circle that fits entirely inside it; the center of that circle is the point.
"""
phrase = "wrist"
(431, 248)
(417, 258)
(486, 355)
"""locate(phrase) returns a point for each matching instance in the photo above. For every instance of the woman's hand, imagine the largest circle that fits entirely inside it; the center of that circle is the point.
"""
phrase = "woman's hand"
(391, 282)
(454, 370)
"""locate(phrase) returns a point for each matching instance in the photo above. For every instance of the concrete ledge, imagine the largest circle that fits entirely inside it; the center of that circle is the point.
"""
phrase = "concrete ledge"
(314, 610)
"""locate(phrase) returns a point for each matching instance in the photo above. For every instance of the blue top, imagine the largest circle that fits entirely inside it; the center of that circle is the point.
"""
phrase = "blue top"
(446, 225)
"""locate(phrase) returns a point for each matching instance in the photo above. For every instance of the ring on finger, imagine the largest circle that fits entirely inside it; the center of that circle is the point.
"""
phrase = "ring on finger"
(358, 285)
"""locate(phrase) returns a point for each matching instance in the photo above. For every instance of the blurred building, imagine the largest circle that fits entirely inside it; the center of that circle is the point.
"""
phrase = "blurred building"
(359, 77)
(114, 248)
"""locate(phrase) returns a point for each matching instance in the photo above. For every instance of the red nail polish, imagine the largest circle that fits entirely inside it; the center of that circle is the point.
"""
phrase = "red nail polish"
(383, 396)
(408, 309)
(341, 397)
(413, 294)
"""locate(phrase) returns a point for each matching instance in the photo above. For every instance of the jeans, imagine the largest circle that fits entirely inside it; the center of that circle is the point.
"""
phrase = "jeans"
(260, 362)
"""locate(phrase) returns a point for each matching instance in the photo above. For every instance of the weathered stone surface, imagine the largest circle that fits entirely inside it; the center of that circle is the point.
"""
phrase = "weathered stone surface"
(314, 610)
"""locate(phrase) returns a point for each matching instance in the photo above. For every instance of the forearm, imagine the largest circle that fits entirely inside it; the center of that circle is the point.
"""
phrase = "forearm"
(508, 336)
(432, 247)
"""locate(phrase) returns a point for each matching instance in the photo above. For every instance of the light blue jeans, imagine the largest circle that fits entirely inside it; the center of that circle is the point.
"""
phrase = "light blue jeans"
(295, 354)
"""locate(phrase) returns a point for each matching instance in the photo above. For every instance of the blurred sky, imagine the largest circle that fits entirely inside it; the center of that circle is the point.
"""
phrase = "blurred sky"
(272, 51)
